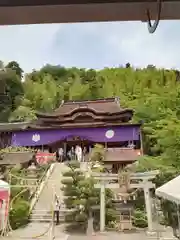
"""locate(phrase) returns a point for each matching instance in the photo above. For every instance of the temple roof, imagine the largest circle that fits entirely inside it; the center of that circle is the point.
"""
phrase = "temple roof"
(78, 114)
(105, 106)
(98, 112)
(14, 126)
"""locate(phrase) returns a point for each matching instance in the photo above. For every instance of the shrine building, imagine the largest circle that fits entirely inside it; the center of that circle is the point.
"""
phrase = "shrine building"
(86, 123)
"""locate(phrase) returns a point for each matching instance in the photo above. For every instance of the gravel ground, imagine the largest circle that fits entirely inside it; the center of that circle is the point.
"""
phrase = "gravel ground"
(36, 229)
(111, 236)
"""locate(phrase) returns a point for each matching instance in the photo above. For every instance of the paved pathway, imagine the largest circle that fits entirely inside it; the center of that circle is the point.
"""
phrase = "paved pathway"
(120, 236)
(36, 229)
(110, 236)
(46, 197)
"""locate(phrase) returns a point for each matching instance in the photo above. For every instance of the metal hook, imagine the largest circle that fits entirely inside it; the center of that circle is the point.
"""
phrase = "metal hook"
(152, 27)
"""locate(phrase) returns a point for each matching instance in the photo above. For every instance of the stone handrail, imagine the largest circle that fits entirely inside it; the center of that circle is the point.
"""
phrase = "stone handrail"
(39, 181)
(41, 187)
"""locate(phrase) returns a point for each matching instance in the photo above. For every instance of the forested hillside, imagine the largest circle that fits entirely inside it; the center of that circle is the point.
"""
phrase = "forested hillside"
(153, 93)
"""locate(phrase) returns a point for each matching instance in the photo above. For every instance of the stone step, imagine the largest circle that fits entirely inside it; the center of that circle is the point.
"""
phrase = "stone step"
(53, 184)
(62, 210)
(46, 219)
(44, 212)
(46, 216)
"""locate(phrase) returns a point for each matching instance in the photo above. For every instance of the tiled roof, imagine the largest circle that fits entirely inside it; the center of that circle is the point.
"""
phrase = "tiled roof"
(100, 112)
(13, 126)
(121, 155)
(100, 106)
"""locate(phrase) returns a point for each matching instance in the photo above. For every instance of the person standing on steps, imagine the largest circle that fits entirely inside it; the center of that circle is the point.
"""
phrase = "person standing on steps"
(78, 152)
(61, 154)
(84, 154)
(57, 211)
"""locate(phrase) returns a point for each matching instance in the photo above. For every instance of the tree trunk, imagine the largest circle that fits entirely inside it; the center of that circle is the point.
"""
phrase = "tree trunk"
(90, 227)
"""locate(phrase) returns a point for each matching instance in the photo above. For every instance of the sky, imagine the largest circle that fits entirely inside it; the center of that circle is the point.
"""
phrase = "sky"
(91, 45)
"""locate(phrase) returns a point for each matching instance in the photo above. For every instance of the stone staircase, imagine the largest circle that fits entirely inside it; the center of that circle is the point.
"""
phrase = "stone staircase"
(42, 211)
(44, 216)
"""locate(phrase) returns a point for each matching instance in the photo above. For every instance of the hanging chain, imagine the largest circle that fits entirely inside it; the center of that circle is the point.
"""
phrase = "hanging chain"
(152, 27)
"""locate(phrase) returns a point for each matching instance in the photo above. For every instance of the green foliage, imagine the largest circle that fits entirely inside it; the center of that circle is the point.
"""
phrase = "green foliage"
(15, 149)
(170, 213)
(167, 173)
(97, 154)
(22, 114)
(25, 194)
(20, 196)
(19, 215)
(140, 219)
(82, 197)
(15, 67)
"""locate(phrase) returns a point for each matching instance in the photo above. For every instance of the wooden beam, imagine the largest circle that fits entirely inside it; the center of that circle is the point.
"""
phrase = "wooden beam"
(134, 176)
(132, 186)
(88, 12)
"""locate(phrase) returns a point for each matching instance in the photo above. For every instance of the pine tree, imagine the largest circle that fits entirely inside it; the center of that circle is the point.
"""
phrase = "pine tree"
(83, 199)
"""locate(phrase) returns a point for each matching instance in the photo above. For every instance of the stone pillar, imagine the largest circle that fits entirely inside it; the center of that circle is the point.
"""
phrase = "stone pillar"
(65, 149)
(148, 204)
(102, 207)
(32, 175)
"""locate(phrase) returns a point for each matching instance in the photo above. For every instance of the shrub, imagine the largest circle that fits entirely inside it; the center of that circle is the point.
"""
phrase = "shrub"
(97, 154)
(84, 198)
(19, 215)
(15, 149)
(140, 219)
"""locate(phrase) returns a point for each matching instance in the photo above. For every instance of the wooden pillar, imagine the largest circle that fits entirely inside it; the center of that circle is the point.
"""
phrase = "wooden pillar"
(65, 147)
(102, 207)
(141, 143)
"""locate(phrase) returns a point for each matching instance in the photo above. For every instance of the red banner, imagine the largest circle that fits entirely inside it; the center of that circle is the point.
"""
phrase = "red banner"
(43, 158)
(4, 207)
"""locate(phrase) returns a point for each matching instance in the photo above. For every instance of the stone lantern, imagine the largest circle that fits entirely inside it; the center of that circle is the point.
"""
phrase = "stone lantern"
(32, 177)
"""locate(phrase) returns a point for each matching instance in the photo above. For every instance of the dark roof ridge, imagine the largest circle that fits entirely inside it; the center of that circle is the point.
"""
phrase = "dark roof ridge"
(13, 123)
(98, 100)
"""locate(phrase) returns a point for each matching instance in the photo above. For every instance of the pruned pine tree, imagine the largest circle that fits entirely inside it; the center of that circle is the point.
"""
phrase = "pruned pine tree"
(83, 199)
(81, 196)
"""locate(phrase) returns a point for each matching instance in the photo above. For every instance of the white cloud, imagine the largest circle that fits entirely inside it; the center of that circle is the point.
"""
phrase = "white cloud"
(92, 45)
(118, 43)
(29, 45)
